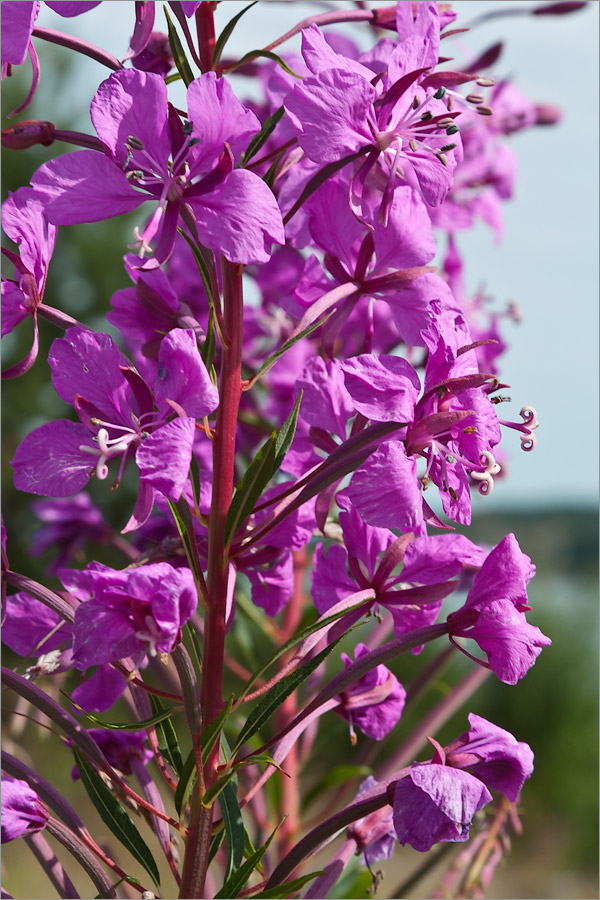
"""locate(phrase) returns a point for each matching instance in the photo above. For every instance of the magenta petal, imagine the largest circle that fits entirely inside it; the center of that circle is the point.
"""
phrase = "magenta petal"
(172, 597)
(13, 309)
(430, 560)
(68, 10)
(511, 644)
(18, 19)
(240, 218)
(330, 113)
(330, 580)
(164, 458)
(102, 632)
(23, 812)
(48, 461)
(385, 489)
(493, 755)
(272, 586)
(383, 388)
(436, 803)
(505, 574)
(217, 117)
(101, 691)
(182, 376)
(87, 363)
(28, 623)
(131, 103)
(24, 222)
(143, 508)
(84, 186)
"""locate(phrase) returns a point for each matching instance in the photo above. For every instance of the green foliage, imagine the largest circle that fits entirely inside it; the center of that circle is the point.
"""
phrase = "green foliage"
(114, 816)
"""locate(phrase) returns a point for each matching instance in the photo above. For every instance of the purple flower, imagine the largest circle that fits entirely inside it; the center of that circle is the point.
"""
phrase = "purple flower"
(453, 427)
(148, 311)
(403, 127)
(32, 628)
(151, 155)
(493, 755)
(22, 810)
(494, 613)
(128, 613)
(374, 834)
(436, 803)
(384, 263)
(375, 702)
(119, 748)
(117, 412)
(24, 222)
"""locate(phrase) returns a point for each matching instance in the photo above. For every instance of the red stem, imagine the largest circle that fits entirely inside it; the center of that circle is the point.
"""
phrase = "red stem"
(211, 688)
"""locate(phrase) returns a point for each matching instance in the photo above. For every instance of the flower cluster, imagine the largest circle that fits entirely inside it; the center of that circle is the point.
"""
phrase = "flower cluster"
(320, 443)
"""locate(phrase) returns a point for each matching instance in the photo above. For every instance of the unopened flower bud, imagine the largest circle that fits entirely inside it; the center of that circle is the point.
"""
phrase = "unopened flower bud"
(27, 134)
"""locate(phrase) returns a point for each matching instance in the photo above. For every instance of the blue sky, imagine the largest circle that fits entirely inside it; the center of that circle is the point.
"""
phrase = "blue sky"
(547, 261)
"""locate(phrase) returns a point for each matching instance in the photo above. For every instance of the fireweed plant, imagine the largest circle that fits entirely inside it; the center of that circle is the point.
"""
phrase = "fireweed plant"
(321, 440)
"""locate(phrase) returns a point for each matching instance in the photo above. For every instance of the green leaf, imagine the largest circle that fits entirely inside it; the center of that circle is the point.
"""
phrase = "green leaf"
(126, 726)
(286, 889)
(179, 57)
(215, 843)
(234, 827)
(260, 471)
(186, 782)
(286, 433)
(227, 31)
(279, 692)
(268, 54)
(260, 139)
(337, 775)
(211, 733)
(114, 816)
(210, 344)
(236, 882)
(255, 479)
(167, 738)
(269, 176)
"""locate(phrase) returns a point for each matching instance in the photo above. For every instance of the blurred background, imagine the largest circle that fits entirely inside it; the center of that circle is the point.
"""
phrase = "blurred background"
(547, 263)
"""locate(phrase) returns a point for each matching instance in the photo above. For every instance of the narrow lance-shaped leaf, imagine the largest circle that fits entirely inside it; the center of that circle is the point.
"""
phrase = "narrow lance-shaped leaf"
(267, 54)
(255, 479)
(167, 737)
(263, 135)
(114, 816)
(185, 783)
(233, 885)
(179, 57)
(227, 31)
(234, 827)
(285, 435)
(126, 726)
